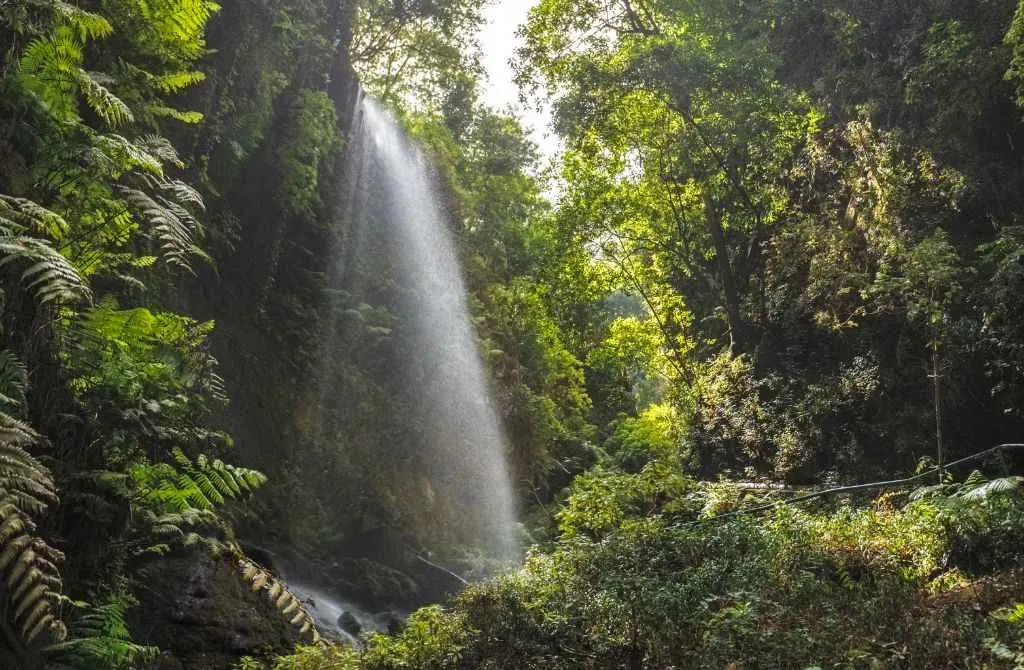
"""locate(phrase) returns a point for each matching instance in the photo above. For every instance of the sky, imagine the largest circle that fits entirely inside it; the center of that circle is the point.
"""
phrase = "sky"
(498, 43)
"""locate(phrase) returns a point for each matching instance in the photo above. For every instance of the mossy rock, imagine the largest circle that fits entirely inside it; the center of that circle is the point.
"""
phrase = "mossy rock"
(201, 613)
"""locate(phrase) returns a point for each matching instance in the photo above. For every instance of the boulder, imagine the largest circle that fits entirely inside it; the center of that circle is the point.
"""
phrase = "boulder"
(348, 623)
(199, 610)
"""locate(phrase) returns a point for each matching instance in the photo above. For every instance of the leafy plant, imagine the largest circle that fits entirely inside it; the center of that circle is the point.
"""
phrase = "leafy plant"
(28, 564)
(100, 640)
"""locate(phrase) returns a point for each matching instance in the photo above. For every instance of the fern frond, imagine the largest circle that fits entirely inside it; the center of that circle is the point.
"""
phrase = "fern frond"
(170, 225)
(50, 275)
(163, 111)
(160, 148)
(991, 488)
(184, 193)
(13, 381)
(49, 68)
(191, 487)
(87, 24)
(128, 155)
(101, 639)
(176, 81)
(107, 106)
(275, 591)
(28, 565)
(27, 215)
(180, 24)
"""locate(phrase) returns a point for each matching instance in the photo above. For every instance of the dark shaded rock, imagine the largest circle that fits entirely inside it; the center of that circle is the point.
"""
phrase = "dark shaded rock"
(365, 580)
(348, 623)
(394, 623)
(199, 610)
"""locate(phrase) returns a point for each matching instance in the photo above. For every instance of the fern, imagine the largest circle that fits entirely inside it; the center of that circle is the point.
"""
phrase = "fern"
(122, 154)
(86, 24)
(275, 591)
(51, 276)
(101, 641)
(173, 499)
(163, 111)
(24, 215)
(28, 565)
(984, 490)
(176, 81)
(160, 148)
(107, 106)
(50, 67)
(178, 25)
(171, 224)
(200, 485)
(13, 381)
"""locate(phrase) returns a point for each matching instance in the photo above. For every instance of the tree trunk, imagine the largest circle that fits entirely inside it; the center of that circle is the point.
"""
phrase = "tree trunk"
(937, 388)
(728, 279)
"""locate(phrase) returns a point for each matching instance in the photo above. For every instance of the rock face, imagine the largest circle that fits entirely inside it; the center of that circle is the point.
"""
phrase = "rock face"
(201, 614)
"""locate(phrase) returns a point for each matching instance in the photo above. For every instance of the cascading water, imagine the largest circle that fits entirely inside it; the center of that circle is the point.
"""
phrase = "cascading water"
(442, 455)
(463, 433)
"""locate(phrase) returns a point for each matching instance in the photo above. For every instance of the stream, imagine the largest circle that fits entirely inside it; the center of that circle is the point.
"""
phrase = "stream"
(327, 609)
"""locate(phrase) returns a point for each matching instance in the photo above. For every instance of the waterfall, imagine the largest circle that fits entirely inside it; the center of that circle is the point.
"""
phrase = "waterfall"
(395, 250)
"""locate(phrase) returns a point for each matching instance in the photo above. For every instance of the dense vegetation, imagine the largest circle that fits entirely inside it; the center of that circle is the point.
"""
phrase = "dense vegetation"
(781, 251)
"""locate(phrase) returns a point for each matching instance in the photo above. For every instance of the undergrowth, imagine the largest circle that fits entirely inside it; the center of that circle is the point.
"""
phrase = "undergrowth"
(873, 585)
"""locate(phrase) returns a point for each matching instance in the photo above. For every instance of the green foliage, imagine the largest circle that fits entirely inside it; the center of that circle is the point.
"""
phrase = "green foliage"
(838, 587)
(43, 269)
(312, 142)
(202, 484)
(416, 53)
(28, 563)
(100, 640)
(654, 435)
